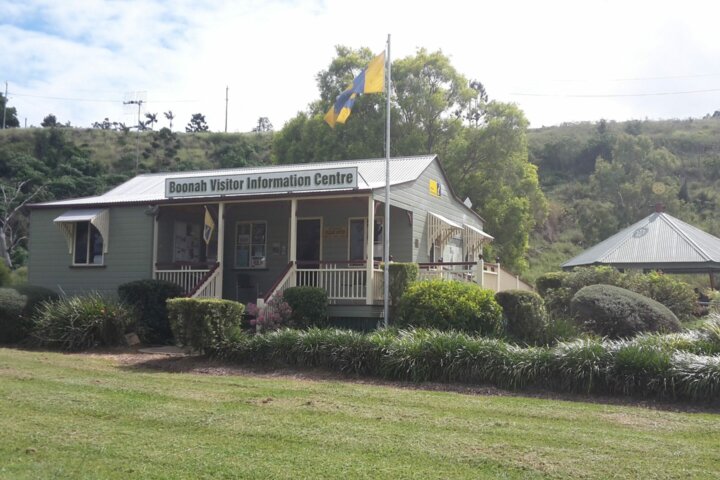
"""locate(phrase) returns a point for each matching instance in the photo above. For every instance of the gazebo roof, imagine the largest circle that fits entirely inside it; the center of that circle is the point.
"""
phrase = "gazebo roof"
(658, 241)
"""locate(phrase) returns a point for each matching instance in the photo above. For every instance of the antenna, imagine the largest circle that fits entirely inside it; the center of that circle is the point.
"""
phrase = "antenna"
(132, 99)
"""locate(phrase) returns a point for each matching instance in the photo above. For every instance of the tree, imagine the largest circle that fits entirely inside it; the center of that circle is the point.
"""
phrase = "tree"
(170, 116)
(50, 121)
(431, 94)
(263, 125)
(151, 120)
(10, 113)
(490, 165)
(106, 124)
(12, 199)
(196, 124)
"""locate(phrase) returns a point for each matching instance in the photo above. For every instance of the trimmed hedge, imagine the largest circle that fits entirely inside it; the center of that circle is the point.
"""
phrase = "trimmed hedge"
(204, 323)
(17, 306)
(149, 297)
(616, 312)
(79, 323)
(647, 366)
(525, 317)
(309, 306)
(448, 305)
(549, 281)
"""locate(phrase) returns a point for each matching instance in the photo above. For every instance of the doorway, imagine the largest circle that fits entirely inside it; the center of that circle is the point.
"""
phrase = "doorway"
(309, 242)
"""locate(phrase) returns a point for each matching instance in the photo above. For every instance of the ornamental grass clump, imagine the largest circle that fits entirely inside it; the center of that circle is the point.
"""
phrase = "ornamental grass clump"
(82, 322)
(646, 366)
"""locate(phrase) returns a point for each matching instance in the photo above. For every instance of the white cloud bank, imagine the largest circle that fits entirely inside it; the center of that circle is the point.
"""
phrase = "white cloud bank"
(84, 56)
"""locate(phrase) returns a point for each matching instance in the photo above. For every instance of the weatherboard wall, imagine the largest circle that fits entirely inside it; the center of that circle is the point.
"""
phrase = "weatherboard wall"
(416, 198)
(129, 255)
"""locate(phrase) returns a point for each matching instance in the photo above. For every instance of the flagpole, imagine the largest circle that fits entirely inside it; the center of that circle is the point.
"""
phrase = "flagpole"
(386, 228)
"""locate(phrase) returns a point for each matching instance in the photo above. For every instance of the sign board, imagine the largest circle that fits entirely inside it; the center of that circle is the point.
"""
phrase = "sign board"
(335, 232)
(435, 188)
(269, 182)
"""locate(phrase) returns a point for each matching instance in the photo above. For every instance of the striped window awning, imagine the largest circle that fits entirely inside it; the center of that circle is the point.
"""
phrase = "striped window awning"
(99, 217)
(474, 238)
(441, 228)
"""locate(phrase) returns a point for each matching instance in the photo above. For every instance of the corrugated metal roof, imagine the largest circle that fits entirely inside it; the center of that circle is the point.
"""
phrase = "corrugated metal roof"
(148, 188)
(658, 240)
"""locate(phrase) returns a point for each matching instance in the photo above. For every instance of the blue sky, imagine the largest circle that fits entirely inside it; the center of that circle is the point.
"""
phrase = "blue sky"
(560, 61)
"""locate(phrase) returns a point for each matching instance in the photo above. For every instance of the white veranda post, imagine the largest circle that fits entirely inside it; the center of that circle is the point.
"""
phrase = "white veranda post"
(370, 251)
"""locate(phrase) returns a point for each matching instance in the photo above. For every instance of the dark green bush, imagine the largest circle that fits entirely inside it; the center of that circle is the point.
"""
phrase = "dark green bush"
(149, 297)
(401, 276)
(549, 281)
(79, 323)
(616, 312)
(204, 323)
(447, 305)
(309, 306)
(524, 313)
(14, 326)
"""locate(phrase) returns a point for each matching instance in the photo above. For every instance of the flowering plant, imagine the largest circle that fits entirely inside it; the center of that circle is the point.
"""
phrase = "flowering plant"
(273, 315)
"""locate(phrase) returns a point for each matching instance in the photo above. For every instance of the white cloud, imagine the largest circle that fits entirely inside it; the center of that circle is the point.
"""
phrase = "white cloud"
(184, 54)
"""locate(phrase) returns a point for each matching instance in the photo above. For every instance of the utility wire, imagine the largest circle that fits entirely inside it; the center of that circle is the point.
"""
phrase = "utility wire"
(97, 100)
(610, 95)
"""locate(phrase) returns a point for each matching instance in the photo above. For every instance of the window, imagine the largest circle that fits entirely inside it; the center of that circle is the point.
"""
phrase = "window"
(88, 245)
(251, 245)
(357, 239)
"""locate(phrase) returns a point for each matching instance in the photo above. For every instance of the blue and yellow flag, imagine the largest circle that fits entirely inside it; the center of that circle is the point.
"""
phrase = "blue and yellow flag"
(370, 80)
(209, 226)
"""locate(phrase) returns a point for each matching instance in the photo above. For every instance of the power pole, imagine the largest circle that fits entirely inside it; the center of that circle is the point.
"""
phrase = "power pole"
(5, 106)
(226, 106)
(137, 144)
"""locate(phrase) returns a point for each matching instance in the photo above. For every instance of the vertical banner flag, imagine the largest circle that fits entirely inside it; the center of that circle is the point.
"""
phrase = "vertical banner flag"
(370, 80)
(209, 226)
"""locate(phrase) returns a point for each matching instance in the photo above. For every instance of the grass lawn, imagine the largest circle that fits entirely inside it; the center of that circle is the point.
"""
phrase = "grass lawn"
(80, 416)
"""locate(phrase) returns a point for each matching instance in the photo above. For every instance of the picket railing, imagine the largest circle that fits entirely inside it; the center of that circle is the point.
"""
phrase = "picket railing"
(189, 277)
(342, 280)
(210, 286)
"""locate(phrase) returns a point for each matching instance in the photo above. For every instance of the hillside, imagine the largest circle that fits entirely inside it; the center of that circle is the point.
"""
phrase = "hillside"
(601, 177)
(597, 177)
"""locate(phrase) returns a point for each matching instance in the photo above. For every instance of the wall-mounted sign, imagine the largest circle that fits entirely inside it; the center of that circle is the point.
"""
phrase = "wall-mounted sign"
(435, 188)
(335, 232)
(273, 182)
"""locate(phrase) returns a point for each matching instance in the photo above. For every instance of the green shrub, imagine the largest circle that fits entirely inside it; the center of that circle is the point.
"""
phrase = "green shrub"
(79, 323)
(549, 281)
(204, 323)
(14, 326)
(401, 276)
(616, 312)
(309, 306)
(19, 276)
(5, 275)
(449, 305)
(676, 295)
(149, 297)
(17, 307)
(524, 313)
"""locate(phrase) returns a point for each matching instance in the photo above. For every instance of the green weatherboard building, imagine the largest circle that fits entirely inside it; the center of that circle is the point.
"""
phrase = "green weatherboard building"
(247, 234)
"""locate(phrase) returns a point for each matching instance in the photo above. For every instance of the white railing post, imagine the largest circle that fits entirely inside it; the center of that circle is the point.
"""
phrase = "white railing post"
(221, 246)
(370, 253)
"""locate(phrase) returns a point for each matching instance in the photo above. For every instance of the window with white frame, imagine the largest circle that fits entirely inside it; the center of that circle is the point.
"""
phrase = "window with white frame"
(87, 245)
(251, 245)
